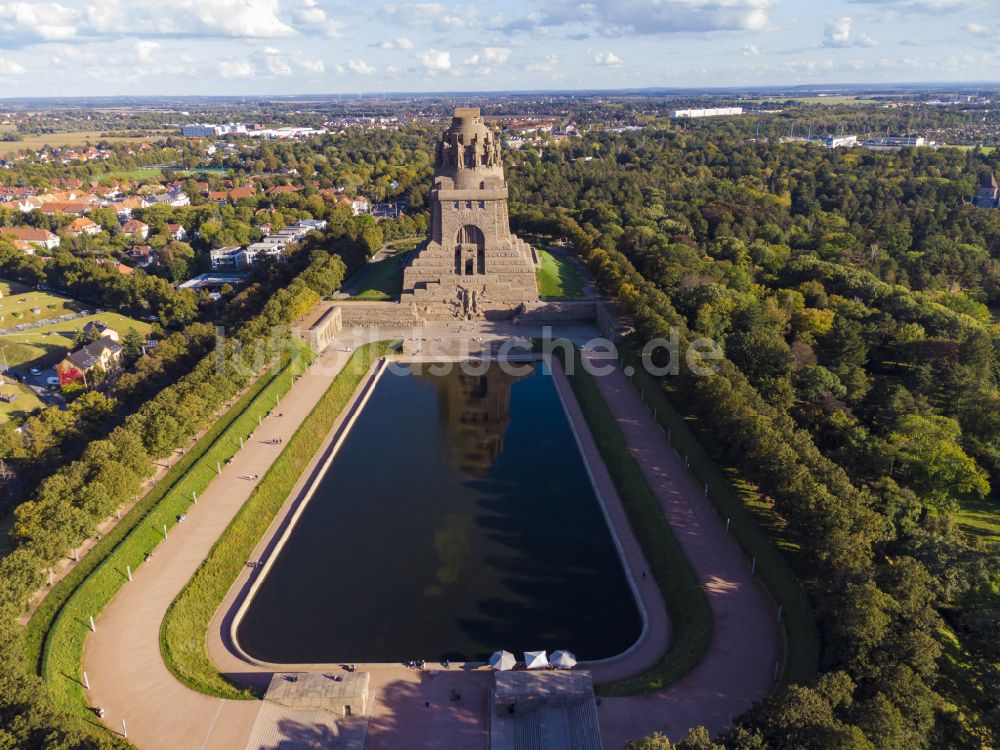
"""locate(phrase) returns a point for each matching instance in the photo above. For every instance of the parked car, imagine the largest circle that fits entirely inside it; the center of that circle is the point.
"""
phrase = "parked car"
(52, 381)
(35, 371)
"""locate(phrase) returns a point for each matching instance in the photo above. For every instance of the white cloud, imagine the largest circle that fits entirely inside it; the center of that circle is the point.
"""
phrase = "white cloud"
(837, 33)
(234, 69)
(496, 55)
(309, 18)
(750, 50)
(607, 58)
(435, 61)
(437, 15)
(470, 60)
(620, 17)
(976, 29)
(360, 67)
(545, 64)
(10, 67)
(144, 49)
(271, 62)
(398, 43)
(23, 23)
(864, 40)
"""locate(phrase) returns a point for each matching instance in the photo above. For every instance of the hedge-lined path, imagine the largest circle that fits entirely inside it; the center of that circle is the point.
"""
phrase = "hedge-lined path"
(122, 658)
(746, 641)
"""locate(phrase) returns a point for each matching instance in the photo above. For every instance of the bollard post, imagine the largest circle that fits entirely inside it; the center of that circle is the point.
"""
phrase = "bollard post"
(93, 627)
(727, 524)
(124, 730)
(687, 462)
(779, 613)
(218, 468)
(753, 565)
(241, 442)
(669, 433)
(706, 490)
(260, 421)
(776, 665)
(50, 577)
(194, 496)
(164, 531)
(86, 682)
(128, 572)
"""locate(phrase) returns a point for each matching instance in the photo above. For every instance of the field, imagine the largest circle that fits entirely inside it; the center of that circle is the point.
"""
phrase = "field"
(18, 308)
(77, 138)
(829, 100)
(26, 402)
(980, 518)
(41, 347)
(558, 278)
(142, 173)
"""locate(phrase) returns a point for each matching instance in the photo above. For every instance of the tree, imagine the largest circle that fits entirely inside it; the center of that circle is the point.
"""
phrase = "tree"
(933, 463)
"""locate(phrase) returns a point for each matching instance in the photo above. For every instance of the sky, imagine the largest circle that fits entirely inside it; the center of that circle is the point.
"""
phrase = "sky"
(267, 47)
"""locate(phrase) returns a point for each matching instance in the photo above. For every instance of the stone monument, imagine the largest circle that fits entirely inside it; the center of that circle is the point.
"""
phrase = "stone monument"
(472, 267)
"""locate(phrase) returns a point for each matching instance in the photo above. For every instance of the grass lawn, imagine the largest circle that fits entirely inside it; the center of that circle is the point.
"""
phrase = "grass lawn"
(558, 278)
(184, 629)
(756, 527)
(980, 518)
(690, 616)
(17, 308)
(26, 402)
(75, 138)
(45, 346)
(141, 173)
(58, 629)
(12, 287)
(381, 280)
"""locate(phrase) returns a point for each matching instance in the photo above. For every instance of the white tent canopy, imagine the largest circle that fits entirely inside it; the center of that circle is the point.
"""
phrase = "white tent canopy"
(535, 660)
(502, 660)
(563, 659)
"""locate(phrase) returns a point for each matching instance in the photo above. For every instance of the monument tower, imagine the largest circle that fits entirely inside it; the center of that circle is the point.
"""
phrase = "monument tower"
(472, 267)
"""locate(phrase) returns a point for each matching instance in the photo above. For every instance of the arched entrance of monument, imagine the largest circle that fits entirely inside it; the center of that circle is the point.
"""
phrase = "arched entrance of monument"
(470, 250)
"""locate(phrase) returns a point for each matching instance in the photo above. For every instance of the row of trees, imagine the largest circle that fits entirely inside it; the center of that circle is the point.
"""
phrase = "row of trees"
(855, 392)
(71, 502)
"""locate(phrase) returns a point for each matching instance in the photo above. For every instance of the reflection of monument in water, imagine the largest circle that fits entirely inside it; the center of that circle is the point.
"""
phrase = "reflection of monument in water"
(476, 409)
(472, 266)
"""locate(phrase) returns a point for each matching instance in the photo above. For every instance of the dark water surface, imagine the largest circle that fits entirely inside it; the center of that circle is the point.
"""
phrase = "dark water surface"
(457, 519)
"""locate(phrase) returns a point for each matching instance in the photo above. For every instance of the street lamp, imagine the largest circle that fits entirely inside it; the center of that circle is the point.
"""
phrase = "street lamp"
(3, 351)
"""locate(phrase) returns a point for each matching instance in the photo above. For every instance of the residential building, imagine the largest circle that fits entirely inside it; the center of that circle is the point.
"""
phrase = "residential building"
(226, 257)
(136, 229)
(104, 356)
(83, 225)
(988, 194)
(213, 283)
(176, 232)
(38, 237)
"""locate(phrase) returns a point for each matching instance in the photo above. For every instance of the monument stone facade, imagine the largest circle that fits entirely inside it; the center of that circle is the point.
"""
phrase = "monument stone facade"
(471, 267)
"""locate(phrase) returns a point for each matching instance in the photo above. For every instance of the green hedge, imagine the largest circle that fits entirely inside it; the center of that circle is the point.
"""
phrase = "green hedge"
(801, 635)
(690, 615)
(102, 572)
(184, 629)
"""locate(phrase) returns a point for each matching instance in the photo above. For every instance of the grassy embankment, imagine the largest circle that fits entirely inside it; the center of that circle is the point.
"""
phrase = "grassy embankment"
(46, 345)
(753, 523)
(690, 616)
(58, 629)
(25, 402)
(558, 278)
(184, 629)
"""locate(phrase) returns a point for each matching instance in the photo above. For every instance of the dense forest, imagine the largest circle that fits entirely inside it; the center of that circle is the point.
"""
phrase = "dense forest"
(854, 294)
(851, 294)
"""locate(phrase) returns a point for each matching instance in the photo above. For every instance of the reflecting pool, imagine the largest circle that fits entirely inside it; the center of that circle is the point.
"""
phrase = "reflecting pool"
(456, 519)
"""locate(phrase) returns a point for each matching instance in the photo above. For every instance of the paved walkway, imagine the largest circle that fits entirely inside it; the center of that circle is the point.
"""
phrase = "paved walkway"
(129, 680)
(126, 671)
(746, 640)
